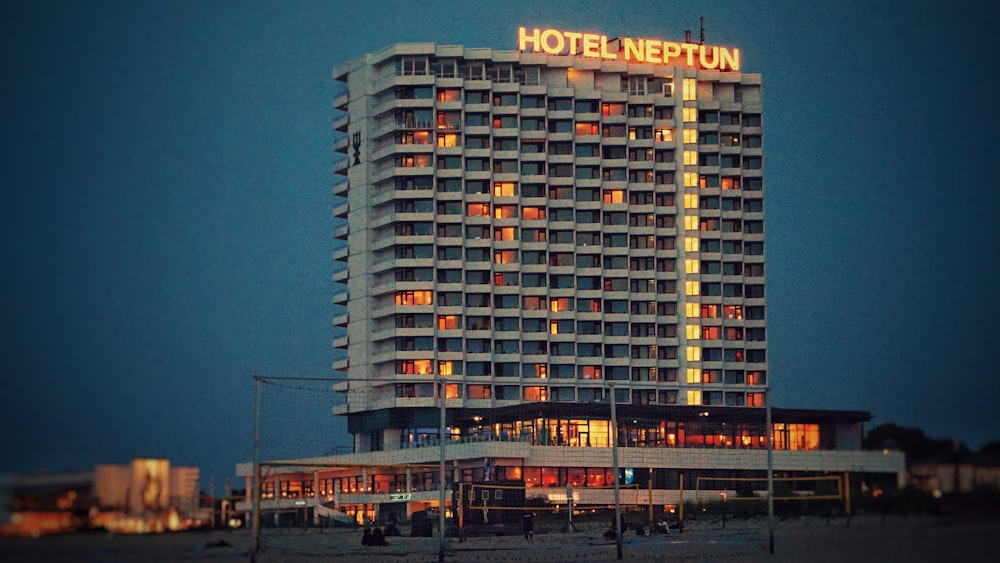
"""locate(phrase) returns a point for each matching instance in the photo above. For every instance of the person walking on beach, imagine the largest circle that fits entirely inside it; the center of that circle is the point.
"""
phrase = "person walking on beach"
(528, 521)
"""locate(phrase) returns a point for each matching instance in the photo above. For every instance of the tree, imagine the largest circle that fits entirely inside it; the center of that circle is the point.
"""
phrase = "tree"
(912, 441)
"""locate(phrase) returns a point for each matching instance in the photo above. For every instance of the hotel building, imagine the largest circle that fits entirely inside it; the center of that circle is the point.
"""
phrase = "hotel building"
(534, 234)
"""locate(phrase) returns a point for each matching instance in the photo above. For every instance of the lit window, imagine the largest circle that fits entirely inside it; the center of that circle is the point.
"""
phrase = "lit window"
(663, 134)
(690, 136)
(692, 310)
(691, 222)
(694, 397)
(711, 332)
(694, 353)
(693, 375)
(449, 95)
(690, 116)
(413, 298)
(448, 322)
(614, 196)
(693, 332)
(691, 179)
(478, 210)
(505, 257)
(505, 233)
(690, 201)
(536, 393)
(730, 183)
(691, 244)
(561, 304)
(691, 265)
(690, 158)
(447, 140)
(504, 189)
(692, 287)
(446, 368)
(733, 311)
(533, 213)
(690, 89)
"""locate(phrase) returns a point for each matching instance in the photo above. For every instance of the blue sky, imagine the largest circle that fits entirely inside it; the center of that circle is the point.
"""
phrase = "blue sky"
(166, 221)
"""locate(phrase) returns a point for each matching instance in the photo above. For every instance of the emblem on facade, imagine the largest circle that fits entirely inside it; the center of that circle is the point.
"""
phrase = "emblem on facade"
(356, 142)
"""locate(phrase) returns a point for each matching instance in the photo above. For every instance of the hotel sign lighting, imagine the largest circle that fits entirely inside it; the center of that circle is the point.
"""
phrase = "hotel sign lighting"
(628, 49)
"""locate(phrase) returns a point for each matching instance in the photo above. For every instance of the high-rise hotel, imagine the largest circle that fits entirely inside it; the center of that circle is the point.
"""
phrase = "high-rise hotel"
(534, 233)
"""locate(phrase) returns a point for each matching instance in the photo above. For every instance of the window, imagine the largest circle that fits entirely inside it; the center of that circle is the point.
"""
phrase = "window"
(505, 279)
(477, 277)
(613, 196)
(533, 213)
(536, 393)
(449, 276)
(406, 298)
(534, 303)
(634, 85)
(477, 299)
(558, 304)
(689, 89)
(506, 324)
(413, 367)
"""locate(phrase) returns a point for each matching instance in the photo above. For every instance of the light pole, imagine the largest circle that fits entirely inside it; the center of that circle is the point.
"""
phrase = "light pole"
(770, 471)
(614, 464)
(256, 469)
(441, 471)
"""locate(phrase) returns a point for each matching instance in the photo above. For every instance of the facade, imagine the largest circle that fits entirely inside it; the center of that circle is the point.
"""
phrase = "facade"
(532, 233)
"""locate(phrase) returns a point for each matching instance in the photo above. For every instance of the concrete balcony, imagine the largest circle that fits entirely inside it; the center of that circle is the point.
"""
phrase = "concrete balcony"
(340, 102)
(342, 123)
(340, 210)
(340, 319)
(341, 231)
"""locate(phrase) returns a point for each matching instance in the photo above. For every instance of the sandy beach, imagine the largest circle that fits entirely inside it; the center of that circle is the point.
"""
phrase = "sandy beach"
(814, 540)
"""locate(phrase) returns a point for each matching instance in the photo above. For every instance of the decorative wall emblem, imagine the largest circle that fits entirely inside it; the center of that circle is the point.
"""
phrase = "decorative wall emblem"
(356, 142)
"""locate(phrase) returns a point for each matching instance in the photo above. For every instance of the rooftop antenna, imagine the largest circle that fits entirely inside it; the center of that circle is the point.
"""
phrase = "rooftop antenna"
(701, 19)
(687, 35)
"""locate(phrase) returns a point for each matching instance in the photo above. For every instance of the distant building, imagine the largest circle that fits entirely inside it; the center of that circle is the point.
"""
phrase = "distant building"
(145, 496)
(966, 474)
(532, 234)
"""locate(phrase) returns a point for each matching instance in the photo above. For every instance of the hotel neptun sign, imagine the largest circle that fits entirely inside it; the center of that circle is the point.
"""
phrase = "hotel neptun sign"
(628, 49)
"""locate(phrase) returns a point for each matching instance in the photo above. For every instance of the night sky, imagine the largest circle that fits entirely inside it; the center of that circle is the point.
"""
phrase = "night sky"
(166, 216)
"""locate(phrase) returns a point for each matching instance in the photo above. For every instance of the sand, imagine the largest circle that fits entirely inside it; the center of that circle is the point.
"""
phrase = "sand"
(808, 540)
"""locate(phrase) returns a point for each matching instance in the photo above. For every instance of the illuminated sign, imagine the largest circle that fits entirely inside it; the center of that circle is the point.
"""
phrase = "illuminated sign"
(398, 497)
(628, 49)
